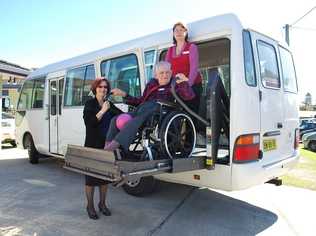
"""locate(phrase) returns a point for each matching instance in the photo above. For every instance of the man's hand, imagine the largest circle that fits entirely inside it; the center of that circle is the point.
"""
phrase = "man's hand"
(180, 78)
(118, 92)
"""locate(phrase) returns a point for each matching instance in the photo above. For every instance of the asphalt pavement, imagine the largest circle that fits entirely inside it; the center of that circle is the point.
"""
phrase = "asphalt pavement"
(46, 199)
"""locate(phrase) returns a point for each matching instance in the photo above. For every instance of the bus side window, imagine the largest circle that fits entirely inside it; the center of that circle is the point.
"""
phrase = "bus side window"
(53, 98)
(26, 95)
(288, 71)
(123, 73)
(149, 64)
(269, 72)
(61, 91)
(38, 93)
(249, 60)
(73, 87)
(89, 78)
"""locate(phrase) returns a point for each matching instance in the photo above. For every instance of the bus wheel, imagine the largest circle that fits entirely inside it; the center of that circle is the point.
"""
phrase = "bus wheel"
(29, 145)
(140, 187)
(13, 143)
(312, 146)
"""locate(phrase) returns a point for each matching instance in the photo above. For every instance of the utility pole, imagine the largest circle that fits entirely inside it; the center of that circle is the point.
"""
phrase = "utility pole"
(287, 34)
(287, 26)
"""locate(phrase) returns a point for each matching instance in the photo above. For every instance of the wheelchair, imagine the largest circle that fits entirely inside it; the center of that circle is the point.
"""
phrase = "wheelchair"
(168, 134)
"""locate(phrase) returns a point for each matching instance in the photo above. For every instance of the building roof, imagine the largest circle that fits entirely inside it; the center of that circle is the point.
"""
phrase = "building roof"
(10, 68)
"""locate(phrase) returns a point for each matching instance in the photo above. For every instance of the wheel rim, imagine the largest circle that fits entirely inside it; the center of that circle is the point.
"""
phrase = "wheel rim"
(180, 136)
(133, 183)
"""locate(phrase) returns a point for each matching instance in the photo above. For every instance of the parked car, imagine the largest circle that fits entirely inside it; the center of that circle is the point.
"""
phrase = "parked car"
(8, 129)
(303, 121)
(309, 141)
(307, 128)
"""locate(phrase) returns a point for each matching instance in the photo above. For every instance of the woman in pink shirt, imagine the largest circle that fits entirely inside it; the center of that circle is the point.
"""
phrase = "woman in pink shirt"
(184, 60)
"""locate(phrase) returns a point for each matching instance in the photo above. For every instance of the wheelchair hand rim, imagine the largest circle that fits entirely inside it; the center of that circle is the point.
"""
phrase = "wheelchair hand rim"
(166, 133)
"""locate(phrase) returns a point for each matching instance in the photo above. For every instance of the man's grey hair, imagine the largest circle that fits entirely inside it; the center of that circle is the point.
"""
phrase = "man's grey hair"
(162, 64)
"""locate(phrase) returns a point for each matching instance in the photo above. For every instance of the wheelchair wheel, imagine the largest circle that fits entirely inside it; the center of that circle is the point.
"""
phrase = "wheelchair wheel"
(178, 135)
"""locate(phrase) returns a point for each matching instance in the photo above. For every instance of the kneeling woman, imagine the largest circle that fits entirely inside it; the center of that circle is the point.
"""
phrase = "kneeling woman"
(97, 115)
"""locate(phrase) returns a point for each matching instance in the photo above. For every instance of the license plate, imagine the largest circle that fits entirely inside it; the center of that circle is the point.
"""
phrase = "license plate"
(269, 144)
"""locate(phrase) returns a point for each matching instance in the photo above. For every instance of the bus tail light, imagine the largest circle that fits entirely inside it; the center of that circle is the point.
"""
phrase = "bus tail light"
(297, 138)
(247, 148)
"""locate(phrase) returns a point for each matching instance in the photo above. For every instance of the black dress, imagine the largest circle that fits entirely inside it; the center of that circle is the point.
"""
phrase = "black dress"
(96, 130)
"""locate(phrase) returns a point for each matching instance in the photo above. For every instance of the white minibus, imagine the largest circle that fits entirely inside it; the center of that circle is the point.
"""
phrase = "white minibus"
(256, 71)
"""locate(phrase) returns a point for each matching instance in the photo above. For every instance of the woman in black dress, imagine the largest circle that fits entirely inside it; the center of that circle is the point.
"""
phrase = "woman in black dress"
(97, 114)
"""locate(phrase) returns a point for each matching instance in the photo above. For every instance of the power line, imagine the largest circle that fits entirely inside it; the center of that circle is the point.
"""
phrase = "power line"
(287, 26)
(303, 16)
(303, 28)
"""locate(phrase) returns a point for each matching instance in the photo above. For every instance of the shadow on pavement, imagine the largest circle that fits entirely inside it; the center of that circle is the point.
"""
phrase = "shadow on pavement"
(48, 200)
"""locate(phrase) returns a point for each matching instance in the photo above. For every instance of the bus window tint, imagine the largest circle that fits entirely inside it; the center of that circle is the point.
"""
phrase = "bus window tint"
(123, 73)
(73, 87)
(149, 64)
(38, 93)
(26, 95)
(268, 65)
(248, 60)
(89, 78)
(288, 71)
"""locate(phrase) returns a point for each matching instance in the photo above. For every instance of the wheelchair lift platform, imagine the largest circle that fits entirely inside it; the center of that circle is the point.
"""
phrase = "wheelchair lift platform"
(103, 164)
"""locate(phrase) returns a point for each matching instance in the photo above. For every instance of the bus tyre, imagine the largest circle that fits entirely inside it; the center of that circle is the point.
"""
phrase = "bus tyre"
(13, 143)
(29, 145)
(312, 146)
(140, 187)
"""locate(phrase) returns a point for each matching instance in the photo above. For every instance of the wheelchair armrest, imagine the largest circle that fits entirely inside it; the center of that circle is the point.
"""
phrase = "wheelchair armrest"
(166, 103)
(131, 108)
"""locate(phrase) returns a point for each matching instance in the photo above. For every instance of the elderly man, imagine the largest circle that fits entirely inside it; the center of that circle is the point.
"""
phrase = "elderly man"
(158, 88)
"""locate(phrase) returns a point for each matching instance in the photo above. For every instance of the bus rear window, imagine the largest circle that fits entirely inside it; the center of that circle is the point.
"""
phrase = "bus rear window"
(268, 65)
(288, 71)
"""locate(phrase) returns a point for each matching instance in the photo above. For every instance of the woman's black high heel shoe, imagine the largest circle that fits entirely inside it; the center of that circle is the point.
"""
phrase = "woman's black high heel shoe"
(92, 214)
(105, 211)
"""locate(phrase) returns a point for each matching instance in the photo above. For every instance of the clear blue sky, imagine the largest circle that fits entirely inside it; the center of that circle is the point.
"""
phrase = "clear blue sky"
(38, 32)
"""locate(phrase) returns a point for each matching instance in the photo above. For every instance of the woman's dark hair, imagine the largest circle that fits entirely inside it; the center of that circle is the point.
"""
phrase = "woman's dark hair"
(183, 26)
(97, 82)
